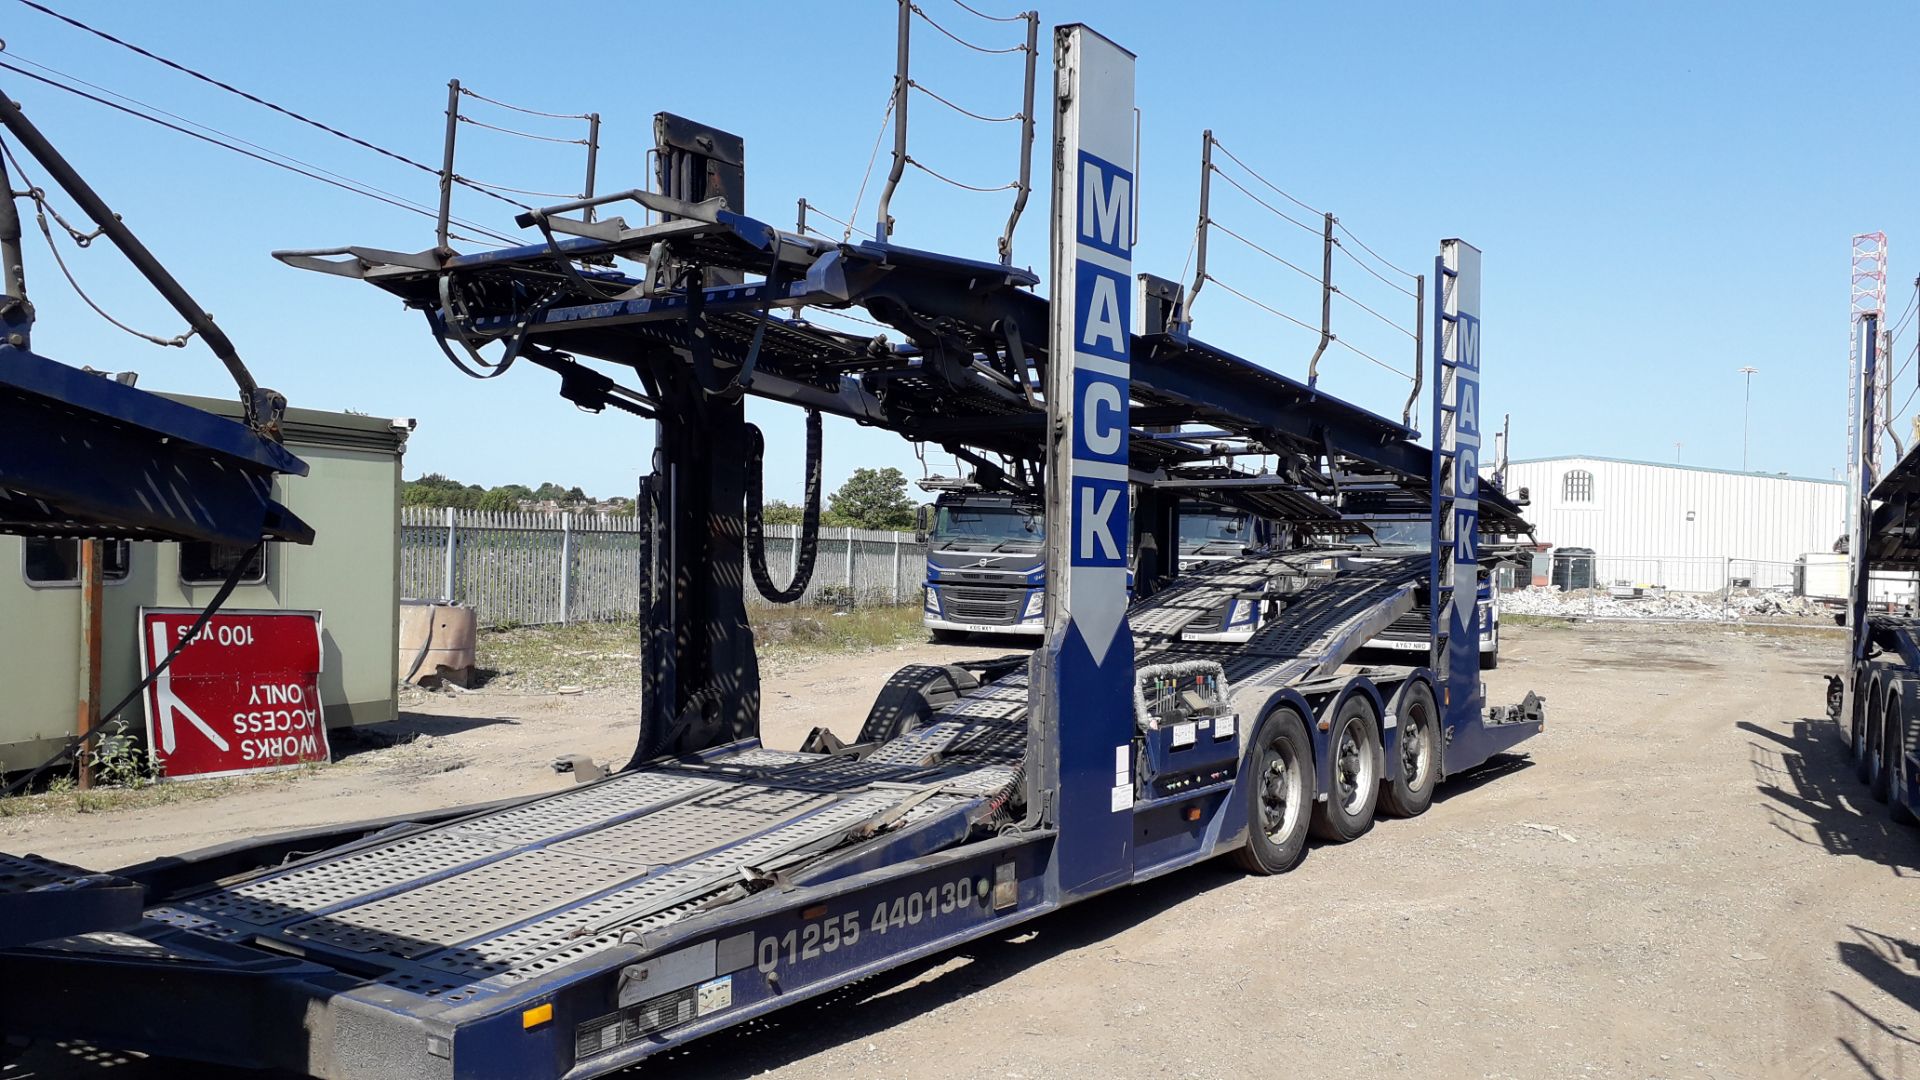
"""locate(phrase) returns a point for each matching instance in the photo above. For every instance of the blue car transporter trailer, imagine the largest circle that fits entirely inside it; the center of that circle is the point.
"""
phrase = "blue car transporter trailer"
(1875, 702)
(713, 880)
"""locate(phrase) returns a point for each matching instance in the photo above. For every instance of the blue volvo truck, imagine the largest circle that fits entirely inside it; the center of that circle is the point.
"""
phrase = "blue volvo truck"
(712, 879)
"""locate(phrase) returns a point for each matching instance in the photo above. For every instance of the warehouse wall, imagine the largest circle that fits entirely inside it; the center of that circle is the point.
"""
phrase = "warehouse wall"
(1646, 510)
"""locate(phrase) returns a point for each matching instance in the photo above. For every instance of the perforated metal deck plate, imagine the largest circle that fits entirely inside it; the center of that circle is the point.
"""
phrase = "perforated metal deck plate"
(309, 889)
(441, 913)
(303, 891)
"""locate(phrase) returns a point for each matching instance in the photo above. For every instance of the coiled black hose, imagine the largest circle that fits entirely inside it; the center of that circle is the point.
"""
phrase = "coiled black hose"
(809, 545)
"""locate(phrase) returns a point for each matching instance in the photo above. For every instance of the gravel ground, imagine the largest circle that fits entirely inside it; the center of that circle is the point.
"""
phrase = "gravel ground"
(1680, 878)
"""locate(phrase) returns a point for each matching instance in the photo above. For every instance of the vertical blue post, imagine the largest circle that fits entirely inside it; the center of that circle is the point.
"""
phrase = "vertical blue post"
(1080, 747)
(1456, 488)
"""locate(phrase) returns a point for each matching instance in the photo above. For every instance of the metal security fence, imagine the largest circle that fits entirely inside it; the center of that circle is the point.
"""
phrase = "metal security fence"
(538, 568)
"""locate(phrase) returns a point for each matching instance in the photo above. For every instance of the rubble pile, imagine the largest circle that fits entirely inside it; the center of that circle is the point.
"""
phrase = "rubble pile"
(1653, 604)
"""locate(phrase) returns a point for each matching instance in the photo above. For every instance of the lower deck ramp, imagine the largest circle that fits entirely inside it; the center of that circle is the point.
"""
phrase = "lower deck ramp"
(476, 905)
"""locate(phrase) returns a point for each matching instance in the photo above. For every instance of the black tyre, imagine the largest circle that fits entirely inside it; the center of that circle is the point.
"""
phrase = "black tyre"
(1896, 758)
(1490, 659)
(1873, 747)
(1880, 744)
(1415, 767)
(1279, 793)
(1353, 742)
(1866, 717)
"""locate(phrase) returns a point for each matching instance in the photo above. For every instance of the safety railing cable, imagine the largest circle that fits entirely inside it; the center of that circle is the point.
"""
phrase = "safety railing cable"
(1332, 236)
(449, 178)
(1335, 339)
(521, 134)
(963, 110)
(808, 208)
(922, 166)
(990, 18)
(929, 20)
(465, 92)
(903, 86)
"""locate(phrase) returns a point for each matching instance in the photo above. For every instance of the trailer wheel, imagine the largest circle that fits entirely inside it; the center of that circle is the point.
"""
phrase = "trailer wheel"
(1416, 765)
(1866, 717)
(1354, 743)
(1880, 744)
(1895, 754)
(1279, 793)
(1873, 767)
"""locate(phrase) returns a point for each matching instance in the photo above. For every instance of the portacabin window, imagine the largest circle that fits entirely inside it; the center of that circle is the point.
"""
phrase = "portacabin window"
(1576, 486)
(202, 563)
(54, 562)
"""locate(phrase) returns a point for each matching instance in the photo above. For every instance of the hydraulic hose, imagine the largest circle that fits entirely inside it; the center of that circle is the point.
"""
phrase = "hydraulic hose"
(809, 543)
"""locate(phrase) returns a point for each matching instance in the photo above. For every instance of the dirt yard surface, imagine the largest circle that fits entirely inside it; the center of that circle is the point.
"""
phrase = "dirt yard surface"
(1680, 878)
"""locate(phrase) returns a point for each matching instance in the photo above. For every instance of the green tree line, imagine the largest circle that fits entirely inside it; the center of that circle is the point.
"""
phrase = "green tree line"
(870, 499)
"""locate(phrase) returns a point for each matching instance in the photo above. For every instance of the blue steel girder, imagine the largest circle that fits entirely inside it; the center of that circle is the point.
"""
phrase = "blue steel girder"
(86, 456)
(954, 311)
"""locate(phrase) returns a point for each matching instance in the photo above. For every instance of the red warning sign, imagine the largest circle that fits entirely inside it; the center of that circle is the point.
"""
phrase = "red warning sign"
(243, 696)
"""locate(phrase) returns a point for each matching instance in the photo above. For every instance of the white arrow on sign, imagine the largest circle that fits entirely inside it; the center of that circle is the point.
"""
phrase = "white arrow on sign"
(166, 703)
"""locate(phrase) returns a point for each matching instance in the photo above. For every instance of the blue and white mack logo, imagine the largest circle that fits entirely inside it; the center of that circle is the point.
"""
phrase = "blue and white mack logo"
(1102, 328)
(1466, 461)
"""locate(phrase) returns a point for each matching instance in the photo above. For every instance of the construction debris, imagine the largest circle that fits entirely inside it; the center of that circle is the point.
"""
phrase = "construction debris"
(1733, 605)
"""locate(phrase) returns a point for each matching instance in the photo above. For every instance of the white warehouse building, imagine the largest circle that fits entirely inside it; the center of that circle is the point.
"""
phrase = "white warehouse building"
(1680, 526)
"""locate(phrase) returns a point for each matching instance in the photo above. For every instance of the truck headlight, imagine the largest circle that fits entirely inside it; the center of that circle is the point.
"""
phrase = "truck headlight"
(932, 602)
(1036, 605)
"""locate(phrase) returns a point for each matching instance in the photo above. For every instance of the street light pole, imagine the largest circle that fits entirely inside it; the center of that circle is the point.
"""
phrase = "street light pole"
(1745, 410)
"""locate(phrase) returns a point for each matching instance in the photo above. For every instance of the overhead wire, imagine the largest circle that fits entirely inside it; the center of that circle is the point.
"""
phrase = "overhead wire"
(231, 89)
(41, 208)
(349, 181)
(308, 173)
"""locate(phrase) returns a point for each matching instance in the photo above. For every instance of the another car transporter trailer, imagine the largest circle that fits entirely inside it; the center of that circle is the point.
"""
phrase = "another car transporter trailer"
(713, 880)
(1875, 702)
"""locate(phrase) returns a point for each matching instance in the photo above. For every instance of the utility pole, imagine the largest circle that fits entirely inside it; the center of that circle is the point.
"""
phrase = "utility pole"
(1745, 410)
(1676, 451)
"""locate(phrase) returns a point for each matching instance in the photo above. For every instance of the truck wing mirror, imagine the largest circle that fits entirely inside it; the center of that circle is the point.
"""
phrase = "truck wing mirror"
(921, 514)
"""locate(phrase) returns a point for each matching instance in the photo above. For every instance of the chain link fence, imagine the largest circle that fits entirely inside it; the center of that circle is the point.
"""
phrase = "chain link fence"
(517, 568)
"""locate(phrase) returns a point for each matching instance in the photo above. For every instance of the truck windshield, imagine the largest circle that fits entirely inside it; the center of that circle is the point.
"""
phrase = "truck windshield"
(1400, 534)
(988, 524)
(1202, 529)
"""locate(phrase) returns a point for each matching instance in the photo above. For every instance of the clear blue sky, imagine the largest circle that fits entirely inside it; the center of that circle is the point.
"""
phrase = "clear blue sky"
(1664, 192)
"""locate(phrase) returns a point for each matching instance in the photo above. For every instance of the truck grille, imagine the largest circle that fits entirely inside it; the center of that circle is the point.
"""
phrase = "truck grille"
(981, 604)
